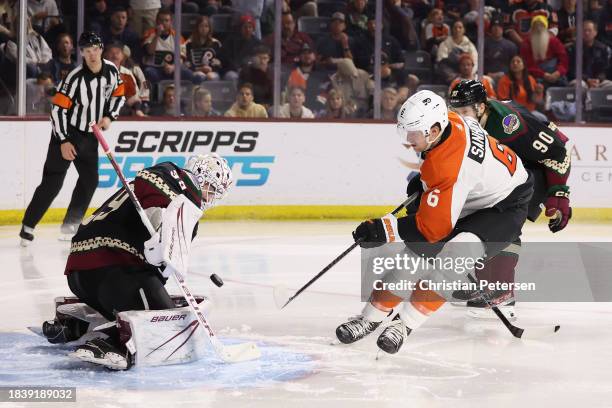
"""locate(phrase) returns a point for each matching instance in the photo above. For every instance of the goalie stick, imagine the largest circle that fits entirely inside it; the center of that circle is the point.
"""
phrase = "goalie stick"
(281, 296)
(229, 353)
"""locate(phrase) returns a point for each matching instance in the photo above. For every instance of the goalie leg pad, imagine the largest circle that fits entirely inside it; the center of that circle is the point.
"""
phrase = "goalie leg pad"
(163, 337)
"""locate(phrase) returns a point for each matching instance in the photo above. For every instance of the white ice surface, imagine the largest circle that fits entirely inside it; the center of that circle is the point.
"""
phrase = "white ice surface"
(449, 362)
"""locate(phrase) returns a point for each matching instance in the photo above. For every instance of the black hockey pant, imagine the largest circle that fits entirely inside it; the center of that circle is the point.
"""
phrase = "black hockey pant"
(120, 288)
(54, 172)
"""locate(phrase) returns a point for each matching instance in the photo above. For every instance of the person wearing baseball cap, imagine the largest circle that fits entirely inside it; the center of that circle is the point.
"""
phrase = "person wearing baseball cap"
(337, 44)
(498, 51)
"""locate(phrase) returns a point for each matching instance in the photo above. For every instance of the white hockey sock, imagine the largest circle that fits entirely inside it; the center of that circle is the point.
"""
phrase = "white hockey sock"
(373, 314)
(411, 316)
(27, 229)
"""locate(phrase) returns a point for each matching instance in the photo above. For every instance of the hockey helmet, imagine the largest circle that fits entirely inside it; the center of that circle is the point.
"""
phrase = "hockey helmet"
(467, 93)
(420, 112)
(214, 176)
(90, 39)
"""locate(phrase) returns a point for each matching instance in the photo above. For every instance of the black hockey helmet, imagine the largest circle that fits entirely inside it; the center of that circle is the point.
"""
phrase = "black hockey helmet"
(467, 93)
(90, 39)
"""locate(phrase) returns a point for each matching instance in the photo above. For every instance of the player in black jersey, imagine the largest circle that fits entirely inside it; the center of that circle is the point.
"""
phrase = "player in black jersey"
(542, 148)
(108, 268)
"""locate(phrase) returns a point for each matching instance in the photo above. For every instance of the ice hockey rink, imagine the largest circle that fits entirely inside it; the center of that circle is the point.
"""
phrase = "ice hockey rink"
(450, 361)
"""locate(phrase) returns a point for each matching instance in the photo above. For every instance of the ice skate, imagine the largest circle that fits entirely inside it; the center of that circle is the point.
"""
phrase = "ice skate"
(355, 329)
(392, 338)
(102, 352)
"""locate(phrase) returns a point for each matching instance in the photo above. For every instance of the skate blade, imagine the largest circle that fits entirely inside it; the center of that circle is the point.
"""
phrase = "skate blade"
(36, 330)
(117, 363)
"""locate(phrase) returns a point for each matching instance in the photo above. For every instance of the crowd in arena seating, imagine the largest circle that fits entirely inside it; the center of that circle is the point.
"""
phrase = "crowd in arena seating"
(327, 52)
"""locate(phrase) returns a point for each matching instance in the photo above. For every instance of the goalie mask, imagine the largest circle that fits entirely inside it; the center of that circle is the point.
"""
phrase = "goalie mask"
(213, 175)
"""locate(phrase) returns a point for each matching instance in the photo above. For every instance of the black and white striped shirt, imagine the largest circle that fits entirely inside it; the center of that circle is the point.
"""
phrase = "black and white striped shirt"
(83, 97)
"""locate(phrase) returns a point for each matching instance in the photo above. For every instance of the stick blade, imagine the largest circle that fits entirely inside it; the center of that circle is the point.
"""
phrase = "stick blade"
(236, 353)
(532, 333)
(281, 296)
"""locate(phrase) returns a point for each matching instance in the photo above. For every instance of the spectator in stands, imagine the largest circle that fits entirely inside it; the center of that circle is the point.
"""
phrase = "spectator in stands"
(202, 104)
(519, 86)
(64, 61)
(143, 15)
(259, 74)
(39, 93)
(436, 30)
(159, 51)
(336, 107)
(522, 12)
(252, 8)
(144, 86)
(168, 105)
(455, 9)
(363, 50)
(210, 7)
(118, 31)
(114, 52)
(245, 106)
(7, 21)
(594, 10)
(38, 53)
(392, 75)
(596, 59)
(356, 19)
(605, 24)
(203, 50)
(44, 14)
(336, 45)
(308, 76)
(567, 22)
(295, 108)
(303, 8)
(544, 55)
(451, 49)
(291, 40)
(96, 15)
(355, 84)
(238, 48)
(398, 16)
(498, 51)
(466, 72)
(389, 103)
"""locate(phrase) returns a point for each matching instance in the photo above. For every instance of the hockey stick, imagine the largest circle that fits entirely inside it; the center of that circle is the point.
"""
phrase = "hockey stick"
(518, 332)
(228, 353)
(280, 292)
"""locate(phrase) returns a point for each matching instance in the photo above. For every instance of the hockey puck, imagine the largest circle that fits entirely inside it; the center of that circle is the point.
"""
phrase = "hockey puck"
(216, 280)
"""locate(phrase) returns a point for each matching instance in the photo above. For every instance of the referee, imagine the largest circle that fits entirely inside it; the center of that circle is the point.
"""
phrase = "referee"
(91, 92)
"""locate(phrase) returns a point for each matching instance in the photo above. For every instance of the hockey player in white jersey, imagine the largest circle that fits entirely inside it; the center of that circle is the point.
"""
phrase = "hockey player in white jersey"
(476, 192)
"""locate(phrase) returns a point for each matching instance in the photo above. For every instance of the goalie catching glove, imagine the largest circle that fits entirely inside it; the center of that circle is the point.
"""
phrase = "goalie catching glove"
(377, 232)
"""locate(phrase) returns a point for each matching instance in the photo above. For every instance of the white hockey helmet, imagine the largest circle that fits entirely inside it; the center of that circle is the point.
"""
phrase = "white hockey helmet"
(214, 176)
(420, 112)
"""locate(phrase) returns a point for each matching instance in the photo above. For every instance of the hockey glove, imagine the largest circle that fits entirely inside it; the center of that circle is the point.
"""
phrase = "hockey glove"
(415, 185)
(377, 232)
(558, 206)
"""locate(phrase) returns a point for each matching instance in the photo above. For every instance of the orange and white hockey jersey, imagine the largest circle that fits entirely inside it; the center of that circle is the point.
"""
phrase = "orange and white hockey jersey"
(468, 171)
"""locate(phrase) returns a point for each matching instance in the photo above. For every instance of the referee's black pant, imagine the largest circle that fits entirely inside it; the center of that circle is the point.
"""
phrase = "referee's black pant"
(54, 172)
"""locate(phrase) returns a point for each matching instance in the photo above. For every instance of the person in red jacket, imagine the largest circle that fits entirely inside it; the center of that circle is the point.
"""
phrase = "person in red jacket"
(544, 55)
